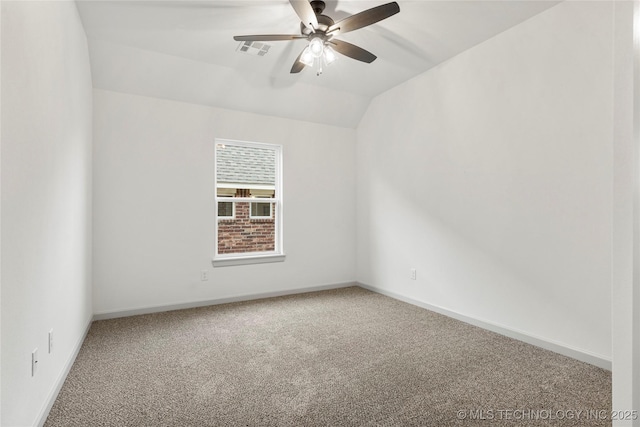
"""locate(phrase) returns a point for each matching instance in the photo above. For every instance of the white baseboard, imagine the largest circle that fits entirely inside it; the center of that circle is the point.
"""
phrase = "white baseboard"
(565, 350)
(53, 394)
(203, 303)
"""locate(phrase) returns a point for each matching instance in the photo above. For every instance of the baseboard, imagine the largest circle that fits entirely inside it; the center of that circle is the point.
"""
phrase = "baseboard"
(53, 394)
(574, 353)
(203, 303)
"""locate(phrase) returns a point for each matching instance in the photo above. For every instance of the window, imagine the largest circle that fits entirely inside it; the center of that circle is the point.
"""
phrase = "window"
(247, 230)
(226, 210)
(260, 210)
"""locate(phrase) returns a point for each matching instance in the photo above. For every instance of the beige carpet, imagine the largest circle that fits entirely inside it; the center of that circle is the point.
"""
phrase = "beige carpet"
(345, 357)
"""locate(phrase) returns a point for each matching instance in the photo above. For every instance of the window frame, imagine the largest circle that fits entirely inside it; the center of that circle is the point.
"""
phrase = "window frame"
(277, 255)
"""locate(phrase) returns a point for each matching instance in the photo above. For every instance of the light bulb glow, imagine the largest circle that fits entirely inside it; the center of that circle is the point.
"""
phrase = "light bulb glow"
(330, 55)
(307, 57)
(316, 46)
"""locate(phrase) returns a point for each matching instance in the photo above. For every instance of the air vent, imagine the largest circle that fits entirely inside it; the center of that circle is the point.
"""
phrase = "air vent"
(254, 48)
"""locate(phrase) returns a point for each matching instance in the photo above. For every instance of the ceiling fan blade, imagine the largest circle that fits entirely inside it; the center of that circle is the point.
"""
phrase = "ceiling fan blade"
(353, 51)
(268, 37)
(297, 65)
(305, 12)
(362, 19)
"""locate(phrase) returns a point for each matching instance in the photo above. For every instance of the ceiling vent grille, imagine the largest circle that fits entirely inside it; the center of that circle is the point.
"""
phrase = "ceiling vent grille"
(253, 48)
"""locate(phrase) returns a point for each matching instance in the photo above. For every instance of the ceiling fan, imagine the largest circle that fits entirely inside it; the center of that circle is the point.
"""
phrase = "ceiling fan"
(320, 30)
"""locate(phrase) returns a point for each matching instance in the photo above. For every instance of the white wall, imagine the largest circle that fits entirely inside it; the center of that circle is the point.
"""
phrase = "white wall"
(491, 175)
(46, 199)
(0, 215)
(626, 213)
(154, 211)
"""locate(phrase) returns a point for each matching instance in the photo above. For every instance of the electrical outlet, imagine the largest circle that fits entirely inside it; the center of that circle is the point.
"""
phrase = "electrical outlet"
(51, 341)
(34, 362)
(412, 274)
(204, 275)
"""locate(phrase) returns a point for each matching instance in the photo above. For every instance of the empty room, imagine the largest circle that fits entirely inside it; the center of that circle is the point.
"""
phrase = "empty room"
(319, 213)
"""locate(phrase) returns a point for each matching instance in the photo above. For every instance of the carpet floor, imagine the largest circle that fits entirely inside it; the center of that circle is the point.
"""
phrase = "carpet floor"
(344, 357)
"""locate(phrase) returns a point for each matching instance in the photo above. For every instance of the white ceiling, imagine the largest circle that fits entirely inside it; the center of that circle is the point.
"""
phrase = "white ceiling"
(184, 50)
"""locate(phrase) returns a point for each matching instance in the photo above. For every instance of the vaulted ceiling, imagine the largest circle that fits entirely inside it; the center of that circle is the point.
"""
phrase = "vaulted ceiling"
(184, 50)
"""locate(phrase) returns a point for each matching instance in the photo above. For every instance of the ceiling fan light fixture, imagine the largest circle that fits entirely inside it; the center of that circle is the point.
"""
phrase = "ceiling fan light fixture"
(307, 57)
(316, 47)
(329, 55)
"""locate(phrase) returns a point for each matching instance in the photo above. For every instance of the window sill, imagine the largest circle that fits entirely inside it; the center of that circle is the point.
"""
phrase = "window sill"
(247, 259)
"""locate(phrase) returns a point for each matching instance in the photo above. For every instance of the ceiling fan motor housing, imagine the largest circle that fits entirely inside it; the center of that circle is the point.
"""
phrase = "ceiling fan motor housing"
(324, 22)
